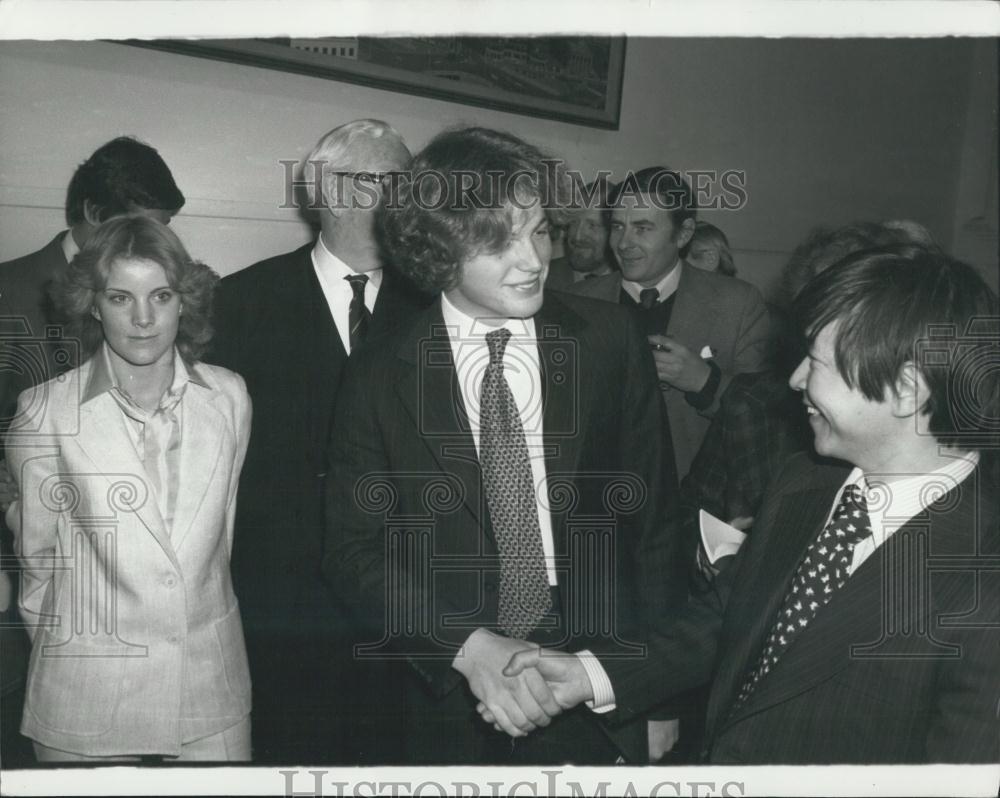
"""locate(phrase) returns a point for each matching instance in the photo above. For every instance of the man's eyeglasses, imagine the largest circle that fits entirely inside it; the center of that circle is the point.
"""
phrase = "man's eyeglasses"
(374, 178)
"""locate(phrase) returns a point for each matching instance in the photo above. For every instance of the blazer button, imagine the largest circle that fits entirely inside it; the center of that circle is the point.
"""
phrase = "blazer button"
(170, 581)
(173, 640)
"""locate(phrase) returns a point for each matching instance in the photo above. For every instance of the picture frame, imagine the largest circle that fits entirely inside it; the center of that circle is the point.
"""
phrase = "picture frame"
(574, 79)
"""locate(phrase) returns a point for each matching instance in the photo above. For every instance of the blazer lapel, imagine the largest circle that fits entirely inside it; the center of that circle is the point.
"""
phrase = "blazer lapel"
(566, 393)
(771, 568)
(853, 625)
(201, 441)
(428, 390)
(694, 308)
(105, 440)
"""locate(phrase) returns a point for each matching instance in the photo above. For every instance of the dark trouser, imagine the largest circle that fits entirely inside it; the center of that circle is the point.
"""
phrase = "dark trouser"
(313, 705)
(15, 748)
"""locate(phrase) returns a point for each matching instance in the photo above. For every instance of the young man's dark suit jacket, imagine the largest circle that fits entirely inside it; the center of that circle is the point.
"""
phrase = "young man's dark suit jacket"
(274, 327)
(404, 467)
(25, 312)
(847, 690)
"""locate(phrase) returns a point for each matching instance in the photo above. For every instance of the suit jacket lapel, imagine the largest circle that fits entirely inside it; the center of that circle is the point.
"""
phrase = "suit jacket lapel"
(392, 303)
(201, 440)
(428, 389)
(854, 619)
(693, 306)
(104, 439)
(771, 568)
(325, 352)
(566, 391)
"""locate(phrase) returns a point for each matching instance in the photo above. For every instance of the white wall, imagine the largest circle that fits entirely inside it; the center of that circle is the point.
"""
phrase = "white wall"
(828, 131)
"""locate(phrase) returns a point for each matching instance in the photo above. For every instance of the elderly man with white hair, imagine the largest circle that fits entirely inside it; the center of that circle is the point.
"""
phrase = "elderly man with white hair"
(288, 324)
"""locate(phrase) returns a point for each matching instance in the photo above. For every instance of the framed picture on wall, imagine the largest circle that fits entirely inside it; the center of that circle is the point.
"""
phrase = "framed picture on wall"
(575, 79)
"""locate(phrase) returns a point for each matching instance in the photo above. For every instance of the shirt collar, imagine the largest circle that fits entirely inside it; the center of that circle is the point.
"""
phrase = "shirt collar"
(665, 287)
(335, 270)
(892, 504)
(462, 327)
(102, 376)
(69, 247)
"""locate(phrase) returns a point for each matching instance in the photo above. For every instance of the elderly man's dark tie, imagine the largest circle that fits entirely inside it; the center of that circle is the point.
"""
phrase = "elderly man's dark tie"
(525, 597)
(648, 297)
(357, 313)
(821, 573)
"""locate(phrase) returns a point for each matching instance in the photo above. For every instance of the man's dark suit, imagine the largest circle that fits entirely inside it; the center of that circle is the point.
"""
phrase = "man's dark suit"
(405, 486)
(26, 310)
(850, 688)
(560, 274)
(274, 327)
(710, 310)
(25, 313)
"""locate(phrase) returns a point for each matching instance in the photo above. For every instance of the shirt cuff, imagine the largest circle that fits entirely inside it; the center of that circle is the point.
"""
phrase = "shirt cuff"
(600, 684)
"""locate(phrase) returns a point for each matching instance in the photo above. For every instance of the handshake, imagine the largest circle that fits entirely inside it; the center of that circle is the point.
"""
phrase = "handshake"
(519, 685)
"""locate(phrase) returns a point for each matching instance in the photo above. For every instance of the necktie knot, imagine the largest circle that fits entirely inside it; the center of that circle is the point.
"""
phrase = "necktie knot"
(497, 343)
(357, 312)
(358, 282)
(851, 516)
(648, 297)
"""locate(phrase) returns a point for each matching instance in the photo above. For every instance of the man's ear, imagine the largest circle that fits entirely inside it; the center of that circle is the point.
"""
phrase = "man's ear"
(685, 233)
(911, 392)
(331, 193)
(92, 213)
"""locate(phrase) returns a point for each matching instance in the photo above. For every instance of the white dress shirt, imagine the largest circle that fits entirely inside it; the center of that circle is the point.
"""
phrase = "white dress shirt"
(155, 435)
(667, 285)
(523, 373)
(331, 272)
(891, 504)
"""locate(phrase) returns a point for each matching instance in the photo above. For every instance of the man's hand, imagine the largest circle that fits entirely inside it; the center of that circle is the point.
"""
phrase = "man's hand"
(678, 366)
(517, 703)
(563, 674)
(663, 736)
(562, 671)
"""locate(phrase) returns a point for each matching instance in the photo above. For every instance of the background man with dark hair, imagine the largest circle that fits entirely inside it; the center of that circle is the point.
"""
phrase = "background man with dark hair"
(494, 469)
(858, 623)
(587, 252)
(705, 327)
(122, 176)
(288, 325)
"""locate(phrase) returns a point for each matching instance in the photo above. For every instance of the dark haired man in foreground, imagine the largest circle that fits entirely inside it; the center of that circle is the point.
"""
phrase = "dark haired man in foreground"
(495, 469)
(859, 622)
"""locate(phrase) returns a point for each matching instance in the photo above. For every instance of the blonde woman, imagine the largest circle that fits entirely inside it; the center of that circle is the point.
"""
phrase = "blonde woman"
(127, 469)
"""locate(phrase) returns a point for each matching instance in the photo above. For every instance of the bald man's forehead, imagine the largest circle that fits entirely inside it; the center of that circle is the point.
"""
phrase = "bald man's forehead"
(384, 154)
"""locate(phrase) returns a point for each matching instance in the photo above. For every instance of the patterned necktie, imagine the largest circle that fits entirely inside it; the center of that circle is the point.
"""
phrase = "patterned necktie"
(823, 571)
(648, 298)
(524, 586)
(357, 313)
